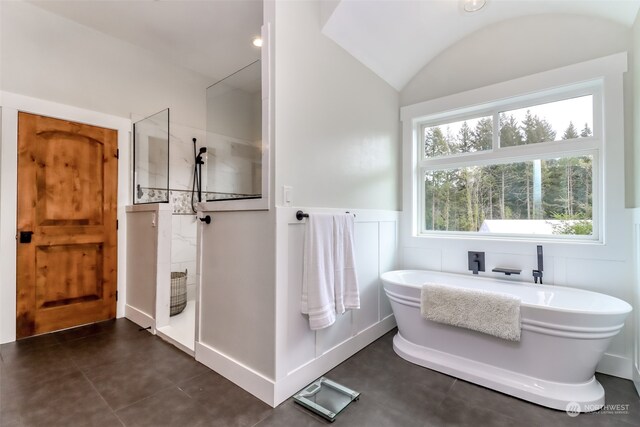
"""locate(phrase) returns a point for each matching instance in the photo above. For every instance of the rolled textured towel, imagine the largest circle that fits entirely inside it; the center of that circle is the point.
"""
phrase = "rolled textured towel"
(479, 310)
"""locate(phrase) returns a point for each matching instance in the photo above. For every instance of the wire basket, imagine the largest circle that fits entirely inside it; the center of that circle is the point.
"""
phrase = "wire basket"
(178, 292)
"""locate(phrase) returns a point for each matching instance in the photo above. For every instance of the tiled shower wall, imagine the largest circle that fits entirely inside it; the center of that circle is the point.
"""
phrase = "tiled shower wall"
(184, 221)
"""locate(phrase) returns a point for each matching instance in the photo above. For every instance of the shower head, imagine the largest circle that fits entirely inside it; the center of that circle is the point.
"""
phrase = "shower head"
(199, 160)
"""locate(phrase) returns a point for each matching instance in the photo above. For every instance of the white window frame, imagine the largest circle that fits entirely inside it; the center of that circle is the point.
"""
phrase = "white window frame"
(600, 77)
(500, 155)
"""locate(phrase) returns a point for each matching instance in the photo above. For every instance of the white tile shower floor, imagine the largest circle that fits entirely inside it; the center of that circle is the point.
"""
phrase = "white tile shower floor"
(181, 330)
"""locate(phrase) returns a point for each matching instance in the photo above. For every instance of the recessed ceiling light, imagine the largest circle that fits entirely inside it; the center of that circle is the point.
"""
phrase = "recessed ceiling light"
(473, 5)
(257, 42)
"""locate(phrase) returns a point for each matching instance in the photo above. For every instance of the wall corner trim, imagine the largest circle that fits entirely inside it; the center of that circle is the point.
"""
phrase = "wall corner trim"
(252, 381)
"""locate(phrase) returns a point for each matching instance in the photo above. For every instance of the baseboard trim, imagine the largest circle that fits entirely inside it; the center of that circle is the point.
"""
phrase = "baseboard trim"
(273, 393)
(252, 381)
(305, 374)
(140, 318)
(615, 365)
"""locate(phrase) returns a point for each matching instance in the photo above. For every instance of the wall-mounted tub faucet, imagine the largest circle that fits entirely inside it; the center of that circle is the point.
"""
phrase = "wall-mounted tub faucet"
(476, 261)
(538, 273)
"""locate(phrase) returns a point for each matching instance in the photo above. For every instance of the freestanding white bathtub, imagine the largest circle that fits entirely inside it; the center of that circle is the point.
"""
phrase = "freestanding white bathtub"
(565, 332)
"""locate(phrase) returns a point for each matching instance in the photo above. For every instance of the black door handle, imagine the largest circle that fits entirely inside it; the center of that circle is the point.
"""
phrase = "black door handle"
(25, 236)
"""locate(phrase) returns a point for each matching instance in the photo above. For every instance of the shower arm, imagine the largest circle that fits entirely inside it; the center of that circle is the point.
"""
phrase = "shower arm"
(199, 163)
(197, 173)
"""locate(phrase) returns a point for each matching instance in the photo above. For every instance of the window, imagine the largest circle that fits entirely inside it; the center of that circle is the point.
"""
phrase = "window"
(520, 167)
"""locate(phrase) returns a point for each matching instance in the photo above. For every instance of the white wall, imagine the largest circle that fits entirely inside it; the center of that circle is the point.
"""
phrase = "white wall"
(235, 334)
(237, 290)
(50, 57)
(337, 125)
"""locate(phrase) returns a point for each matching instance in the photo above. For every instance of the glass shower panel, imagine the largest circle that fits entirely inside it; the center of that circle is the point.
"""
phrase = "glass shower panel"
(151, 159)
(234, 136)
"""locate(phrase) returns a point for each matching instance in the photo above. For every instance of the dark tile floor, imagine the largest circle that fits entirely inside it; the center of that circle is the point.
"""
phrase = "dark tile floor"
(112, 374)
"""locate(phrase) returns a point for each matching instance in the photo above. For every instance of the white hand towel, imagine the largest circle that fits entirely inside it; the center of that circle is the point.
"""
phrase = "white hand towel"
(318, 295)
(346, 282)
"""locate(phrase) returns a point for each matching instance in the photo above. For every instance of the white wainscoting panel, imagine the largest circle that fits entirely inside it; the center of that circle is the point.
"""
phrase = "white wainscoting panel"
(367, 238)
(303, 354)
(388, 258)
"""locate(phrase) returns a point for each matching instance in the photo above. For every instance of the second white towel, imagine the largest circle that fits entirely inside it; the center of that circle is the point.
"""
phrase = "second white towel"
(344, 264)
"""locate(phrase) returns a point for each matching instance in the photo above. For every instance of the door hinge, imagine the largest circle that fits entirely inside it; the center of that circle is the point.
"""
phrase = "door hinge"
(117, 153)
(117, 224)
(116, 295)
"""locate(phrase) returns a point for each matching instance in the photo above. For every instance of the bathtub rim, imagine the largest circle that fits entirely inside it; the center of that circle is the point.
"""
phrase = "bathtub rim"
(385, 277)
(550, 394)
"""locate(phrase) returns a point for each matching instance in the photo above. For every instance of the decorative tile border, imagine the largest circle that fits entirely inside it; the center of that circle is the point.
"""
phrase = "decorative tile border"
(180, 199)
(151, 195)
(226, 196)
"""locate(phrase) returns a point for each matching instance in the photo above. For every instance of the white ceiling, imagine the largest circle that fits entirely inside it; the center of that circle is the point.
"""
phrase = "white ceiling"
(211, 37)
(397, 38)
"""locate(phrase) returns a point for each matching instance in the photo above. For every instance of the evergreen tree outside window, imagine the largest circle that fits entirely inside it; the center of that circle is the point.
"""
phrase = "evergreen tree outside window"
(516, 169)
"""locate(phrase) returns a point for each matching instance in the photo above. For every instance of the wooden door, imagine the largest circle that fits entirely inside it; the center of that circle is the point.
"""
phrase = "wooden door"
(67, 197)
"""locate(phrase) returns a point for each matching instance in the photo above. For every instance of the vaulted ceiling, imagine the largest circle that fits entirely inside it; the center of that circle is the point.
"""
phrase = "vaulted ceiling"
(397, 38)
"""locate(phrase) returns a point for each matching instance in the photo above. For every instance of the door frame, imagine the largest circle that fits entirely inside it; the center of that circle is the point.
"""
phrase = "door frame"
(11, 104)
